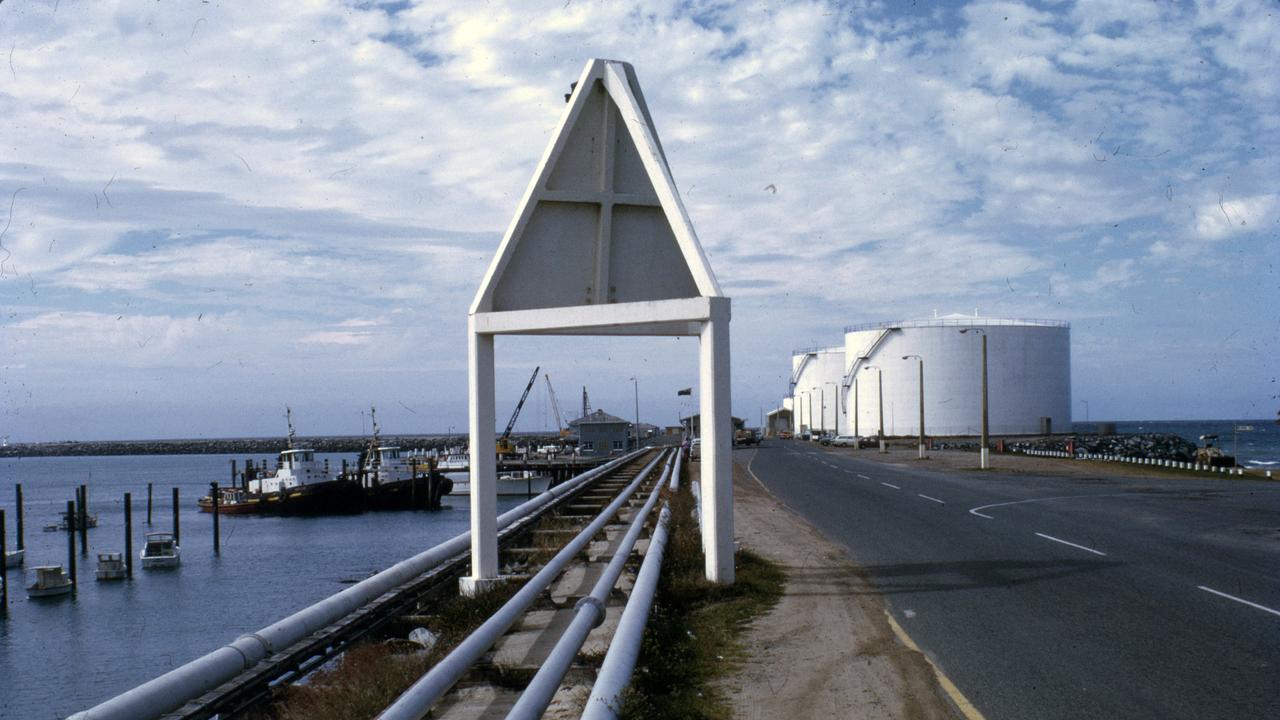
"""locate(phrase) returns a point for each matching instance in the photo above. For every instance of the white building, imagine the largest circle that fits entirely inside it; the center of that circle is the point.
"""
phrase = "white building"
(817, 395)
(1028, 370)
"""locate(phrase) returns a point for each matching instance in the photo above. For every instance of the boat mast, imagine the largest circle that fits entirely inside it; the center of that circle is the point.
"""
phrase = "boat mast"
(288, 416)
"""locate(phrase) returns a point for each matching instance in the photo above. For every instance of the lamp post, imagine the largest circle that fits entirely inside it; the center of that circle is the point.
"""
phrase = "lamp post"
(857, 443)
(984, 460)
(880, 386)
(822, 412)
(835, 392)
(809, 396)
(636, 384)
(917, 357)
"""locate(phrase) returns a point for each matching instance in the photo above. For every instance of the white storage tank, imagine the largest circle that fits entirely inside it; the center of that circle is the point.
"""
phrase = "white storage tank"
(817, 393)
(1028, 371)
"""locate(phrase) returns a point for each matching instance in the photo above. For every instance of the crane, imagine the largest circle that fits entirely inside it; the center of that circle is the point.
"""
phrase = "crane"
(505, 447)
(555, 407)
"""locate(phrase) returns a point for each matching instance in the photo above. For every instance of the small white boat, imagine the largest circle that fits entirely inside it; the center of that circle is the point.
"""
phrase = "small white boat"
(111, 566)
(522, 483)
(14, 558)
(161, 551)
(51, 581)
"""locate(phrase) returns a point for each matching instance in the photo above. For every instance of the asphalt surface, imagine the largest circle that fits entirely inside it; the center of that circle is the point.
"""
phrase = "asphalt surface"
(1053, 597)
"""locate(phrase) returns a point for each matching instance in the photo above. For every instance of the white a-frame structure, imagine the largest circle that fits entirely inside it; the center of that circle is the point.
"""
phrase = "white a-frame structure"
(601, 245)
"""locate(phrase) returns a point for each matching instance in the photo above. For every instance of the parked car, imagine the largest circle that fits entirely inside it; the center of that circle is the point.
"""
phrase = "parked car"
(695, 449)
(845, 441)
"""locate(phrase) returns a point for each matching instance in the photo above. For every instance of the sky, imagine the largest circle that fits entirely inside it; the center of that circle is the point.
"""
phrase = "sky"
(209, 210)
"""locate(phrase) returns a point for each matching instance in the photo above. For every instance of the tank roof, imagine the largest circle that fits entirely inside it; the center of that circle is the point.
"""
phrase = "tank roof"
(957, 320)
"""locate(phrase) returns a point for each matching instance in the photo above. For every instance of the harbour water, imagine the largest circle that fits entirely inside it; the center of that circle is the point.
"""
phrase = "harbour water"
(1257, 447)
(58, 656)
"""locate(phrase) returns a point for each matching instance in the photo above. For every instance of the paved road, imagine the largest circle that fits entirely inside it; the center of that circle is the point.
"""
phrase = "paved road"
(1046, 597)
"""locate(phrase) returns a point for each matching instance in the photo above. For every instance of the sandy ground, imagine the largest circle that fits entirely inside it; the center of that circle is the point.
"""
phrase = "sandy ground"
(826, 650)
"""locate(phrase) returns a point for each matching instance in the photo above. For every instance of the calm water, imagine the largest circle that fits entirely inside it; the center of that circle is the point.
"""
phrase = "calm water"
(63, 655)
(1259, 447)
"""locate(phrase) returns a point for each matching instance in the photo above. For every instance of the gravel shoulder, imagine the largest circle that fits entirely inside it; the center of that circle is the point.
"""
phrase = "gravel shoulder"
(826, 650)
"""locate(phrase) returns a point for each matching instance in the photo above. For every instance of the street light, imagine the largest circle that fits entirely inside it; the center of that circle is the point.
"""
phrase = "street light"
(636, 384)
(835, 391)
(984, 461)
(917, 357)
(809, 396)
(880, 386)
(822, 411)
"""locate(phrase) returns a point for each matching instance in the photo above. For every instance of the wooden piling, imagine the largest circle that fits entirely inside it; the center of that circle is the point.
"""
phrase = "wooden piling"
(128, 534)
(217, 534)
(233, 472)
(177, 528)
(82, 522)
(21, 540)
(4, 568)
(71, 541)
(148, 504)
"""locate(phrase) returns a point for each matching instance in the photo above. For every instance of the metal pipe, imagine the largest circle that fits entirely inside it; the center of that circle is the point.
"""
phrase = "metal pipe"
(415, 702)
(588, 614)
(171, 690)
(620, 661)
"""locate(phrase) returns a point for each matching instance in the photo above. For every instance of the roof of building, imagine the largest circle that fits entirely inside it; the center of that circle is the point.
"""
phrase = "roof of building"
(598, 417)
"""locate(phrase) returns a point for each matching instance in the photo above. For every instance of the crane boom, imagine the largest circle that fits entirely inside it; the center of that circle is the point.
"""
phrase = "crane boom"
(555, 405)
(504, 445)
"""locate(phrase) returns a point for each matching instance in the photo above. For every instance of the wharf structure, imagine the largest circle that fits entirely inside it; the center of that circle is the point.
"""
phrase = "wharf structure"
(839, 389)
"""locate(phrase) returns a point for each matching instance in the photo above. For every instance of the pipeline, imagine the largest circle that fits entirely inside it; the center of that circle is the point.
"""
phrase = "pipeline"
(620, 661)
(171, 690)
(588, 614)
(414, 703)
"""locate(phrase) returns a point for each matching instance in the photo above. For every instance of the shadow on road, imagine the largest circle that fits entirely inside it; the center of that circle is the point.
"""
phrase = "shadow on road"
(944, 576)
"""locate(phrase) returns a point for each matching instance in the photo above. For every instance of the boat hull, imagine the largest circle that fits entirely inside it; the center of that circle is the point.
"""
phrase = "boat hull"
(105, 575)
(508, 487)
(421, 493)
(332, 497)
(161, 562)
(49, 591)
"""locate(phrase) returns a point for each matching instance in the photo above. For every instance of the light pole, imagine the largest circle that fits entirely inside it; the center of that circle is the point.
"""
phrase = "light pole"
(809, 396)
(880, 386)
(857, 442)
(984, 460)
(835, 392)
(917, 357)
(822, 412)
(636, 384)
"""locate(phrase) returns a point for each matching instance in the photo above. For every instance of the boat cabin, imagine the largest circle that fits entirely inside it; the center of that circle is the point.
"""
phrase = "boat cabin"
(159, 544)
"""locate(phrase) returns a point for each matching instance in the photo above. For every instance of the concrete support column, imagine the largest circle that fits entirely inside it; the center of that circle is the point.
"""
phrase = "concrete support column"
(484, 464)
(717, 445)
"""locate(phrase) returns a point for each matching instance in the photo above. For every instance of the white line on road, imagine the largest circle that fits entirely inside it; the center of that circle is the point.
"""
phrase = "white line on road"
(895, 487)
(864, 477)
(1263, 608)
(1064, 542)
(975, 512)
(934, 499)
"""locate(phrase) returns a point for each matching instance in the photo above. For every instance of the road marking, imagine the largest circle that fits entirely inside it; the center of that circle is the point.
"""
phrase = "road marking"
(895, 487)
(864, 477)
(934, 499)
(1064, 542)
(1263, 608)
(974, 512)
(965, 707)
(1131, 494)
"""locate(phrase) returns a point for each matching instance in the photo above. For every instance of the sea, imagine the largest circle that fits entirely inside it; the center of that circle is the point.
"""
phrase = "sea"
(1254, 443)
(59, 656)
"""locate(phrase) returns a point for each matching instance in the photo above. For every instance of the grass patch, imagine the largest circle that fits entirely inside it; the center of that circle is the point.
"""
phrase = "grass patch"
(694, 632)
(369, 677)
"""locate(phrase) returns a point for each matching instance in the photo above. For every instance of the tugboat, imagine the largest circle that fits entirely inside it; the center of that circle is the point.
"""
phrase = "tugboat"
(299, 486)
(161, 551)
(51, 581)
(392, 482)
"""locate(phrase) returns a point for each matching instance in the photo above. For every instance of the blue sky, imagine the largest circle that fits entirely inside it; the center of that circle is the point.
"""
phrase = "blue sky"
(211, 210)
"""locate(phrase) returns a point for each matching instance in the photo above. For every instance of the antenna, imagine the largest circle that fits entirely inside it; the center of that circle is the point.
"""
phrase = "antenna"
(373, 417)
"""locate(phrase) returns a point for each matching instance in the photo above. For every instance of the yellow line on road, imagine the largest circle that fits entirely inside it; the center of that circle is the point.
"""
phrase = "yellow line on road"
(962, 703)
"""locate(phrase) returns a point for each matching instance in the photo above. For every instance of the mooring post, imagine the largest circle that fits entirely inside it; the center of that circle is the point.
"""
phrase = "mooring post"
(177, 528)
(233, 472)
(82, 522)
(71, 541)
(21, 541)
(217, 535)
(128, 534)
(344, 467)
(148, 504)
(4, 568)
(413, 485)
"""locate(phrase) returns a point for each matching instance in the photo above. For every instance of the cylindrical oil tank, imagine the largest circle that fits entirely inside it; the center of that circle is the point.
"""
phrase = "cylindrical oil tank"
(1028, 375)
(817, 393)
